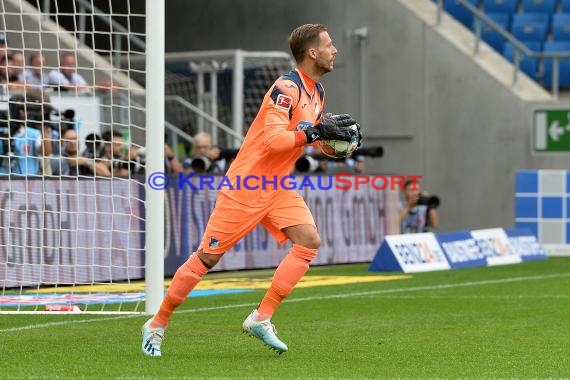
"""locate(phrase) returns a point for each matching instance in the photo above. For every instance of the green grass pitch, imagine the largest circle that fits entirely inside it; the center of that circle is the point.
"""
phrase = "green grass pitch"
(498, 322)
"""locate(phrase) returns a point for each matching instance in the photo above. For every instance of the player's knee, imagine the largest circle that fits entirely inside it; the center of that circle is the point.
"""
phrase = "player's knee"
(305, 253)
(312, 241)
(209, 259)
(309, 238)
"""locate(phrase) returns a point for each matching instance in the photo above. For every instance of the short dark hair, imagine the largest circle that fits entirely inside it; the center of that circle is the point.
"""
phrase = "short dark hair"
(34, 55)
(304, 36)
(410, 182)
(109, 134)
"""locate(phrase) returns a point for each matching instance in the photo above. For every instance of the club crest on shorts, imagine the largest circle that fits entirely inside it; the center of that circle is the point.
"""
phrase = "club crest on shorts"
(283, 102)
(214, 243)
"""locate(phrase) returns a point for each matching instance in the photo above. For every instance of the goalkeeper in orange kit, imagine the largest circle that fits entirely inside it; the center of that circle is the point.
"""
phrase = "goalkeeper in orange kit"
(290, 117)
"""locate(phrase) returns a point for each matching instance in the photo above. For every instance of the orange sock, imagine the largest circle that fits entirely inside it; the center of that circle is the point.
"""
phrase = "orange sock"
(185, 279)
(288, 274)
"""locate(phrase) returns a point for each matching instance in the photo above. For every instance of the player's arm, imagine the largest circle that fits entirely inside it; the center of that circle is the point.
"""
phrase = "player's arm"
(284, 97)
(279, 108)
(43, 142)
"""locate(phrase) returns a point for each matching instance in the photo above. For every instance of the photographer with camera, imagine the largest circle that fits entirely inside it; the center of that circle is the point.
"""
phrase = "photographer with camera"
(172, 164)
(29, 137)
(419, 210)
(71, 163)
(207, 159)
(121, 159)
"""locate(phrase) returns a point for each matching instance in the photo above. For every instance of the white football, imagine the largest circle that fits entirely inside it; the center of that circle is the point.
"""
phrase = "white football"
(339, 148)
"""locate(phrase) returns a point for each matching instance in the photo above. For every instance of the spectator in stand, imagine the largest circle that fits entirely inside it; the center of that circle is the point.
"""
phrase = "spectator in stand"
(70, 163)
(32, 137)
(12, 71)
(66, 77)
(206, 158)
(34, 75)
(117, 155)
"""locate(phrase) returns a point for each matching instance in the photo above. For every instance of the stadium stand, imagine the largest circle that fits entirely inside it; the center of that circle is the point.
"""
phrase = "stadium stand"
(528, 65)
(501, 6)
(542, 25)
(539, 6)
(530, 26)
(561, 27)
(564, 64)
(459, 11)
(491, 36)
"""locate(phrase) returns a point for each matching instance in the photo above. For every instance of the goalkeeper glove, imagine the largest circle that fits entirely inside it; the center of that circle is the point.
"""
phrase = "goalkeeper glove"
(359, 134)
(332, 127)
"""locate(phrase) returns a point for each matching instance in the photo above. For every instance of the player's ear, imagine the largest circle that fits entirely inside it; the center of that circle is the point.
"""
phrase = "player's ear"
(313, 53)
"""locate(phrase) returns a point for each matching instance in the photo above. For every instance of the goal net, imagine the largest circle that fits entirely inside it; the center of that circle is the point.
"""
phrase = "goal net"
(227, 85)
(72, 156)
(80, 229)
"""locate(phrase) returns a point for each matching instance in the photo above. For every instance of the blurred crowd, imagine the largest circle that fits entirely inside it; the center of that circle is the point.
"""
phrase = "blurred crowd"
(37, 139)
(32, 71)
(34, 149)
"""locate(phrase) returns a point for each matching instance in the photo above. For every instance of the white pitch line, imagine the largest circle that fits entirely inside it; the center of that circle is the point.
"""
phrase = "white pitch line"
(304, 299)
(474, 297)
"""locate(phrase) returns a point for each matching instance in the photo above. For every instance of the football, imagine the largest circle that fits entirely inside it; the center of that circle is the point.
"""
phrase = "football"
(339, 148)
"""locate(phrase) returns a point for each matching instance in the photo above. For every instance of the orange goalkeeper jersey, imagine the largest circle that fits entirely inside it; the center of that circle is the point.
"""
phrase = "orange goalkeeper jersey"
(275, 139)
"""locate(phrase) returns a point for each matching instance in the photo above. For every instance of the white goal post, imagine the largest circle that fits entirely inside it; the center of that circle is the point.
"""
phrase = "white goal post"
(154, 270)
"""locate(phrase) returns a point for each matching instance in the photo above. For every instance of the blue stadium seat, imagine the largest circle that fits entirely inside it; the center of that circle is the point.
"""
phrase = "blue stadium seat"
(526, 18)
(457, 10)
(500, 6)
(564, 64)
(528, 65)
(490, 36)
(561, 27)
(565, 6)
(539, 6)
(530, 26)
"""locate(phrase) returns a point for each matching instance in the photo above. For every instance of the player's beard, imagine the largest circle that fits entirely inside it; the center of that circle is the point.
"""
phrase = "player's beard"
(325, 66)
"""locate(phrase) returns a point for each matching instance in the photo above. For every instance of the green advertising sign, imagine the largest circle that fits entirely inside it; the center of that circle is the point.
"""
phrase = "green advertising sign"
(551, 131)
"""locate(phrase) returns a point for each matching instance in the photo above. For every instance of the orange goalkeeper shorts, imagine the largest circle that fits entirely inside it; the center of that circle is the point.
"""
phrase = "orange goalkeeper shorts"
(231, 220)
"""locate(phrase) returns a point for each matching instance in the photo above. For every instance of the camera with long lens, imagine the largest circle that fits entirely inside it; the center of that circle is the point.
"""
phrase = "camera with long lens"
(373, 152)
(432, 201)
(28, 109)
(308, 164)
(202, 164)
(63, 120)
(94, 148)
(312, 163)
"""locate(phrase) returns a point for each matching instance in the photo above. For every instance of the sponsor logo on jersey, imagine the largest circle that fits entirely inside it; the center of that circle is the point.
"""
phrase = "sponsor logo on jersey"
(283, 102)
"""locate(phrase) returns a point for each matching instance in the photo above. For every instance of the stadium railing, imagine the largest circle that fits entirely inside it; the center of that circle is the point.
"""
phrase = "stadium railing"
(520, 50)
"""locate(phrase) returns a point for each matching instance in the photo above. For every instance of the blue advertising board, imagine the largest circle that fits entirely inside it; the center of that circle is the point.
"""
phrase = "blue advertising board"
(452, 250)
